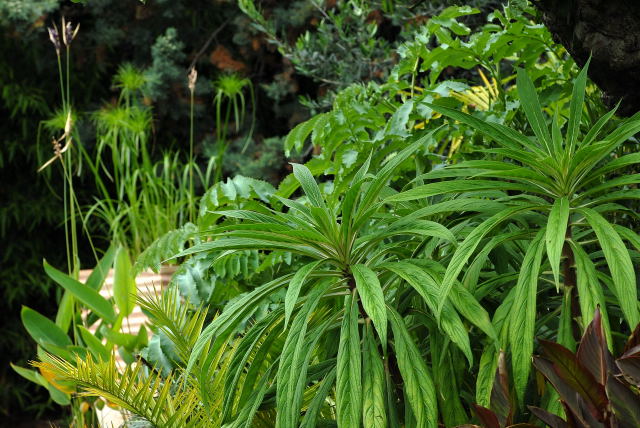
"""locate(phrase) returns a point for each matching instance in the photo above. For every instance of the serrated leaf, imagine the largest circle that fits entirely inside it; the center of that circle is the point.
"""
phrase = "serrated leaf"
(297, 136)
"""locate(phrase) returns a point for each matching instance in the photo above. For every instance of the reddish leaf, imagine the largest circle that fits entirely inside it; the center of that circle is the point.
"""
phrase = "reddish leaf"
(630, 368)
(501, 402)
(577, 377)
(487, 417)
(625, 403)
(548, 418)
(525, 425)
(593, 352)
(571, 400)
(634, 340)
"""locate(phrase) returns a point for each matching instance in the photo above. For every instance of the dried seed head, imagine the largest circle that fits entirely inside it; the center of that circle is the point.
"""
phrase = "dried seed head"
(57, 147)
(68, 124)
(54, 36)
(69, 32)
(193, 77)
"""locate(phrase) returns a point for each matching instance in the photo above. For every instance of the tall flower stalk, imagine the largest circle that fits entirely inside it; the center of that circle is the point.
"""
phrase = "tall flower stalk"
(193, 77)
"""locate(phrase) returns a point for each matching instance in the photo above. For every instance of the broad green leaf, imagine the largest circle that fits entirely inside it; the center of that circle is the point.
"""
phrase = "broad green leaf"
(43, 330)
(294, 289)
(619, 262)
(349, 376)
(523, 314)
(86, 295)
(532, 109)
(373, 408)
(418, 385)
(556, 232)
(385, 173)
(30, 375)
(124, 283)
(372, 298)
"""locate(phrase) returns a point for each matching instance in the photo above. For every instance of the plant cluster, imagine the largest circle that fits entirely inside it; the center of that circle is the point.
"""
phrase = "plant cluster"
(475, 207)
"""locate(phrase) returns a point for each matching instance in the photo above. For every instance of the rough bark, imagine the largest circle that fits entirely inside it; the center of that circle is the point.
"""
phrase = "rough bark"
(609, 30)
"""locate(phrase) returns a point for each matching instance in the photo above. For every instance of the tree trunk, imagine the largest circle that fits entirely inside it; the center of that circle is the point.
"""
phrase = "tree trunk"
(609, 30)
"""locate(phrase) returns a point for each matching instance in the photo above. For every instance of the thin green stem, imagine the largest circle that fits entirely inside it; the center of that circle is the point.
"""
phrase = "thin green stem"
(191, 194)
(62, 92)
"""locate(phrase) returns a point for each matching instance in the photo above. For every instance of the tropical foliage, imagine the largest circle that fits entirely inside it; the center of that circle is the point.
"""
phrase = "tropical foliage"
(466, 207)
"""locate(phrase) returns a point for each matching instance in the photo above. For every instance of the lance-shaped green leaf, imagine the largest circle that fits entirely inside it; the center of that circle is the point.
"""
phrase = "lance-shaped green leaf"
(373, 408)
(293, 291)
(556, 232)
(311, 415)
(590, 292)
(523, 314)
(292, 371)
(575, 107)
(418, 383)
(468, 246)
(619, 262)
(309, 185)
(453, 186)
(428, 288)
(87, 295)
(97, 349)
(372, 298)
(235, 312)
(124, 284)
(532, 109)
(101, 271)
(349, 376)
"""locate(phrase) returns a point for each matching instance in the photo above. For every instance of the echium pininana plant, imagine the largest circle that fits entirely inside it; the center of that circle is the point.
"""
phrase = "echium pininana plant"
(359, 270)
(559, 193)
